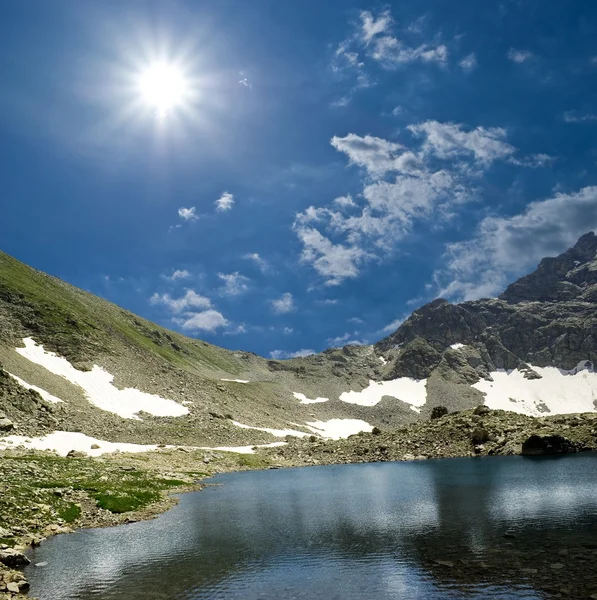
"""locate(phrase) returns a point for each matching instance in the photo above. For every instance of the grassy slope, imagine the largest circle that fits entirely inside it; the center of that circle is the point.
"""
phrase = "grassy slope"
(79, 325)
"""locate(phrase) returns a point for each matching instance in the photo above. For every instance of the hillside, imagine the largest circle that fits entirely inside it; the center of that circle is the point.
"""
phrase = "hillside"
(72, 362)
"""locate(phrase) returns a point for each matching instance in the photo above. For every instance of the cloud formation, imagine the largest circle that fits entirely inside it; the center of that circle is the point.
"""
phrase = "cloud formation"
(506, 247)
(191, 299)
(188, 214)
(519, 56)
(284, 304)
(573, 116)
(196, 311)
(234, 284)
(261, 263)
(178, 274)
(427, 180)
(225, 202)
(468, 63)
(207, 320)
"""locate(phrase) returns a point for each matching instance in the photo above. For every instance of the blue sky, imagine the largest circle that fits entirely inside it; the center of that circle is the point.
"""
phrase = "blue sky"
(330, 167)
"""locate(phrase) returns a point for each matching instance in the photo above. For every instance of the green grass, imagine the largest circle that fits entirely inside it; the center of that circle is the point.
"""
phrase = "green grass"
(69, 512)
(120, 503)
(252, 461)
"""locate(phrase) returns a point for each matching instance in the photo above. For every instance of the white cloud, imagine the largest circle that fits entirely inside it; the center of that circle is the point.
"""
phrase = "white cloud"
(449, 140)
(207, 320)
(258, 260)
(375, 154)
(188, 214)
(234, 284)
(404, 186)
(506, 247)
(374, 39)
(191, 299)
(572, 116)
(327, 302)
(282, 354)
(532, 161)
(178, 274)
(519, 56)
(239, 329)
(372, 26)
(356, 320)
(225, 202)
(245, 81)
(469, 63)
(283, 304)
(348, 339)
(334, 262)
(345, 201)
(287, 330)
(391, 327)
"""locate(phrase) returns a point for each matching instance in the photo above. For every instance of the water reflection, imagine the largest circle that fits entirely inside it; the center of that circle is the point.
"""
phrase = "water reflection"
(433, 529)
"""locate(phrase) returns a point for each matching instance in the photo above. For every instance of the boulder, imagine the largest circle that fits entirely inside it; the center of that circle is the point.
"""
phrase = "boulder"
(539, 445)
(13, 558)
(6, 424)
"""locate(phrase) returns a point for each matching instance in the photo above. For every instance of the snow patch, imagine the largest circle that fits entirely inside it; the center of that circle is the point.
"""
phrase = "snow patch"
(274, 432)
(304, 400)
(98, 387)
(45, 395)
(336, 429)
(411, 391)
(557, 392)
(62, 442)
(237, 380)
(383, 360)
(456, 346)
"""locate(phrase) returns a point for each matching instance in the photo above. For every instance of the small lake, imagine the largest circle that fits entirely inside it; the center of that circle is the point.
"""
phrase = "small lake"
(475, 528)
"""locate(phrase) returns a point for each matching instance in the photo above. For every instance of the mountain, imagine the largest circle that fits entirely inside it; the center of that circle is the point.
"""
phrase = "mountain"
(74, 363)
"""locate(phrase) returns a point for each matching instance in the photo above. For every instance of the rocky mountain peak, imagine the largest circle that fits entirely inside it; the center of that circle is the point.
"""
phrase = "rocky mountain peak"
(569, 276)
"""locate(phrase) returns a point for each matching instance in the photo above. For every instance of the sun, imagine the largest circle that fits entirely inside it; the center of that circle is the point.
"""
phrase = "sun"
(163, 87)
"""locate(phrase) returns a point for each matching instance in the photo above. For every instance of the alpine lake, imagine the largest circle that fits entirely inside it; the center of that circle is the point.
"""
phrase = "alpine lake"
(474, 528)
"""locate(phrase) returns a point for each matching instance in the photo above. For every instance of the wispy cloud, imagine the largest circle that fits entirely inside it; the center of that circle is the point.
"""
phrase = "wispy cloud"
(506, 247)
(234, 284)
(347, 339)
(468, 63)
(256, 258)
(374, 41)
(376, 35)
(188, 214)
(519, 56)
(391, 327)
(225, 202)
(282, 354)
(284, 304)
(573, 116)
(178, 274)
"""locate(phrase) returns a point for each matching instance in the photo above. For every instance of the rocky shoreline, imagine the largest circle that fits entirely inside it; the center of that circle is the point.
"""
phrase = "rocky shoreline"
(42, 495)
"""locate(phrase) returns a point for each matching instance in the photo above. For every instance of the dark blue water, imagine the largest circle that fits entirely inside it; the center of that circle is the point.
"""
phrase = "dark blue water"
(462, 528)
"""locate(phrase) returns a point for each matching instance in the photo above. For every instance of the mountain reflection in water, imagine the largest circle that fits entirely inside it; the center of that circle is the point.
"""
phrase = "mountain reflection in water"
(504, 527)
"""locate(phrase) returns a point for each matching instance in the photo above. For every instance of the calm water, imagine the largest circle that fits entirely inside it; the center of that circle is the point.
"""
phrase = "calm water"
(342, 532)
